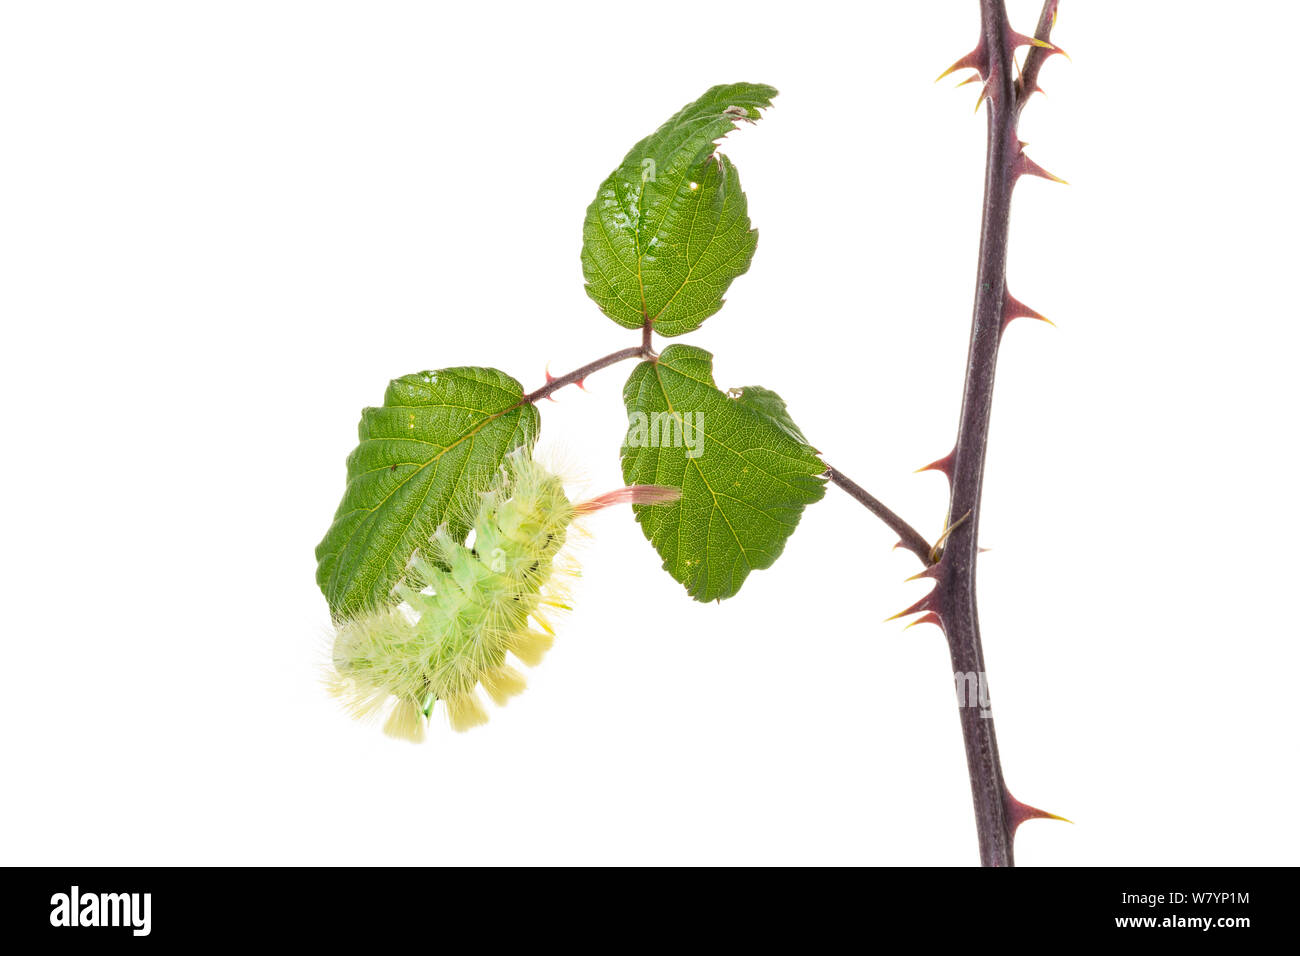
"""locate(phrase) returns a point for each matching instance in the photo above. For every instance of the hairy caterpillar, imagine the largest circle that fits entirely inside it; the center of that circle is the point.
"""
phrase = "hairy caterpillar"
(465, 607)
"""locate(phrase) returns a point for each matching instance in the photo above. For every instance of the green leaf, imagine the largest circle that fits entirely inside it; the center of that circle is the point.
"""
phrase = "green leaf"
(745, 478)
(769, 405)
(669, 229)
(423, 457)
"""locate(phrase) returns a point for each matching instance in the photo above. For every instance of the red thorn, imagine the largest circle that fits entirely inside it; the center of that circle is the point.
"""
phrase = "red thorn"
(973, 78)
(977, 59)
(581, 383)
(984, 550)
(1056, 49)
(1018, 813)
(921, 605)
(943, 465)
(1024, 166)
(1013, 308)
(929, 617)
(1015, 39)
(931, 572)
(549, 379)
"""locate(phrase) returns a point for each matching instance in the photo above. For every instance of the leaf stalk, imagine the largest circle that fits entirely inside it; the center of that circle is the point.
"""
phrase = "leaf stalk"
(908, 537)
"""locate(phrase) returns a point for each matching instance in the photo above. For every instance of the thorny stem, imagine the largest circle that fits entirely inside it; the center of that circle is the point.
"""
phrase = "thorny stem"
(954, 594)
(578, 374)
(1034, 59)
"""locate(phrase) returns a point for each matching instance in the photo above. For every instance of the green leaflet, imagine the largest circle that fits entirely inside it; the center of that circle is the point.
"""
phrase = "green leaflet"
(768, 404)
(669, 229)
(423, 457)
(745, 478)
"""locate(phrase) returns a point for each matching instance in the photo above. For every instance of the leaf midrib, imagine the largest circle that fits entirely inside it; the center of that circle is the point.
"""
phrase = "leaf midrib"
(744, 552)
(386, 554)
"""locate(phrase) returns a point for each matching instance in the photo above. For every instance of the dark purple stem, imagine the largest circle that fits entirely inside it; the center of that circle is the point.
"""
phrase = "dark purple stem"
(954, 595)
(578, 374)
(1034, 59)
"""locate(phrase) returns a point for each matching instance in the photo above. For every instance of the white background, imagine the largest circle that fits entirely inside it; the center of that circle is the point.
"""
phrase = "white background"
(225, 226)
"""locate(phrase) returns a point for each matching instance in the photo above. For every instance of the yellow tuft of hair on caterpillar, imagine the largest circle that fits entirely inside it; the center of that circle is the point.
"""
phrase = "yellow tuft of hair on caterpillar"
(465, 711)
(405, 721)
(501, 683)
(530, 646)
(464, 607)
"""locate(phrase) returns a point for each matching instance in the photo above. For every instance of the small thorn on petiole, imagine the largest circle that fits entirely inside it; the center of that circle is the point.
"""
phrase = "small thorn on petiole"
(549, 379)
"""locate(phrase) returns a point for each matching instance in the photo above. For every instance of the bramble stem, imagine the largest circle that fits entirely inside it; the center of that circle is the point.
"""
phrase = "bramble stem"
(1034, 59)
(908, 536)
(955, 593)
(578, 374)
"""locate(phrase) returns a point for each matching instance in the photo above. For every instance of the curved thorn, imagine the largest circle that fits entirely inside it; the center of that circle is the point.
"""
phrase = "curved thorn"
(936, 551)
(921, 605)
(942, 465)
(1020, 39)
(1013, 308)
(929, 617)
(1018, 813)
(549, 379)
(971, 61)
(1027, 167)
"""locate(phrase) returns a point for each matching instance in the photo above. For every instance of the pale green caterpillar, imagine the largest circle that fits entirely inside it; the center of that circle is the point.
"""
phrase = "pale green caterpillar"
(465, 607)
